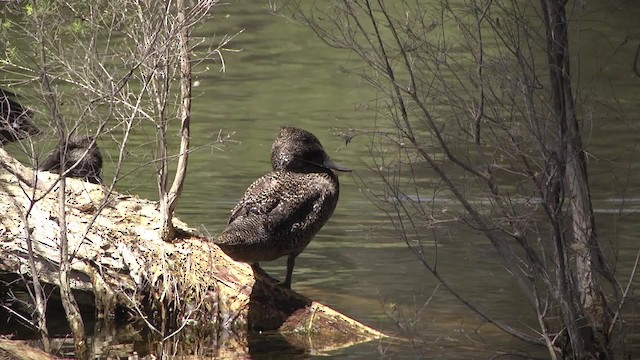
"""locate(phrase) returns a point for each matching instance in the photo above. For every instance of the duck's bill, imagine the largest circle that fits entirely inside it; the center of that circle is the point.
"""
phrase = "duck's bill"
(331, 165)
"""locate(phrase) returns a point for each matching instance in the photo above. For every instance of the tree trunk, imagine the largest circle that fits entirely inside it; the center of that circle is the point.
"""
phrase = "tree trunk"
(121, 260)
(583, 245)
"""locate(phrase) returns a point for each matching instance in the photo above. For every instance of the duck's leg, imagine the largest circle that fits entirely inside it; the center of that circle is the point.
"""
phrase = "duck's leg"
(257, 269)
(291, 261)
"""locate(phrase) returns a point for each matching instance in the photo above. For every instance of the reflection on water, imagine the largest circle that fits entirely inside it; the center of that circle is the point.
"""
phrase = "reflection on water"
(357, 263)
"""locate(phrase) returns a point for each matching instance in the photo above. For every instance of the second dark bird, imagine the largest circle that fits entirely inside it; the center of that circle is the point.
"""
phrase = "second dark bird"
(82, 159)
(15, 120)
(283, 210)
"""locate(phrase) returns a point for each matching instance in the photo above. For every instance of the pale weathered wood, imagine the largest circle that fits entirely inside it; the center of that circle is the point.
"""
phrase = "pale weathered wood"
(121, 260)
(18, 350)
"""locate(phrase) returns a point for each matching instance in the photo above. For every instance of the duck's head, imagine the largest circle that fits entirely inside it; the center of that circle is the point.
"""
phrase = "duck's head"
(299, 150)
(81, 142)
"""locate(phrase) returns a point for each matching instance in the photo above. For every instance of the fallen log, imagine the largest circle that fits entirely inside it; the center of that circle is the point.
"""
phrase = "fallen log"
(120, 261)
(18, 350)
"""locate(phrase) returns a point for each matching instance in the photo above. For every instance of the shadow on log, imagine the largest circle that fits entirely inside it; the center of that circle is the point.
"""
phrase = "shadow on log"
(188, 286)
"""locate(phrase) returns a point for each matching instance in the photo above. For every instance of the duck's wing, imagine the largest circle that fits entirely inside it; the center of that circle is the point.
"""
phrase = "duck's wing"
(273, 200)
(260, 198)
(274, 195)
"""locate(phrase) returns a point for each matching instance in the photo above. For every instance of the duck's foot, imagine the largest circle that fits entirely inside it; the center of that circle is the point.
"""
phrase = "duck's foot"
(259, 270)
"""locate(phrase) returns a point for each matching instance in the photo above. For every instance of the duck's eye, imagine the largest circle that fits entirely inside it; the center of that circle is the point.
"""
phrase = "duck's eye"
(316, 156)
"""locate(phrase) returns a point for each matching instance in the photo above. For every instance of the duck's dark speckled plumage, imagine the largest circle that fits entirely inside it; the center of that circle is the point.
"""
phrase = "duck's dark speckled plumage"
(281, 212)
(15, 121)
(89, 163)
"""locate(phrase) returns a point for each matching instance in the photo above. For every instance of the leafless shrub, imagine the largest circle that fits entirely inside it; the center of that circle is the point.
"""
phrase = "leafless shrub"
(480, 93)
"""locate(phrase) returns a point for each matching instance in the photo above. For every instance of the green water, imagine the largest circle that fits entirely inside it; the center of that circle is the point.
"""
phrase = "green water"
(283, 75)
